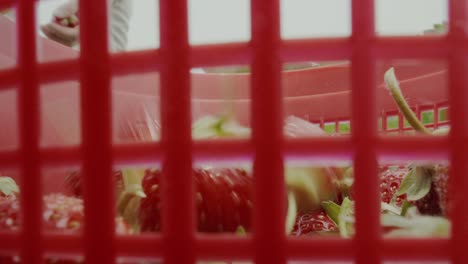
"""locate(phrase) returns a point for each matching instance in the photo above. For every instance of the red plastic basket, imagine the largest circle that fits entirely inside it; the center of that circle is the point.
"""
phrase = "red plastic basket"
(322, 95)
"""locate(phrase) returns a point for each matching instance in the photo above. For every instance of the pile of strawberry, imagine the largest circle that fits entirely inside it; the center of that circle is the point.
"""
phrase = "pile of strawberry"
(421, 189)
(224, 195)
(61, 213)
(414, 197)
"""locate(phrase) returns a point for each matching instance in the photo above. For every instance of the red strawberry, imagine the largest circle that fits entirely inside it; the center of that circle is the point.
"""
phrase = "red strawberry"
(429, 204)
(8, 203)
(71, 21)
(9, 206)
(440, 180)
(313, 223)
(419, 187)
(436, 201)
(390, 181)
(61, 213)
(223, 200)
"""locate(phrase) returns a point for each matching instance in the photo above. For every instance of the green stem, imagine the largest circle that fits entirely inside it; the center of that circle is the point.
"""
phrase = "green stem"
(132, 181)
(292, 213)
(394, 88)
(129, 200)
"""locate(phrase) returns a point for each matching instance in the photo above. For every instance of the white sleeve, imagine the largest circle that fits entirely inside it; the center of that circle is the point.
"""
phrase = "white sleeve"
(120, 14)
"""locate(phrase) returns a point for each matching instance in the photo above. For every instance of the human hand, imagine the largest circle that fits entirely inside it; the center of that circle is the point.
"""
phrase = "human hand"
(65, 35)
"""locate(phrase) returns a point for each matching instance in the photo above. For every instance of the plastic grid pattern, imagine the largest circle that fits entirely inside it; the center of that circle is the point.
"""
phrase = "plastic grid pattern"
(266, 52)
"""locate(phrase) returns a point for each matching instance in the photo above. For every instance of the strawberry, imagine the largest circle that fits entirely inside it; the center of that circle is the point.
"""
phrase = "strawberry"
(429, 204)
(313, 223)
(391, 191)
(70, 21)
(9, 212)
(390, 181)
(61, 213)
(8, 203)
(223, 200)
(440, 181)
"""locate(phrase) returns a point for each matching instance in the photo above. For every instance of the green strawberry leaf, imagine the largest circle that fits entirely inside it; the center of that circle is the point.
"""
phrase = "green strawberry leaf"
(416, 184)
(406, 183)
(333, 210)
(8, 186)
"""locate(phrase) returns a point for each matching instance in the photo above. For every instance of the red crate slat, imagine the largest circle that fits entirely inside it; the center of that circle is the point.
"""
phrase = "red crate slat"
(458, 184)
(426, 249)
(224, 247)
(61, 156)
(9, 78)
(384, 117)
(4, 4)
(28, 107)
(321, 249)
(127, 246)
(412, 148)
(436, 116)
(10, 242)
(139, 246)
(135, 62)
(364, 133)
(178, 222)
(324, 148)
(319, 148)
(63, 244)
(58, 71)
(9, 159)
(99, 244)
(141, 154)
(220, 149)
(240, 53)
(401, 123)
(267, 127)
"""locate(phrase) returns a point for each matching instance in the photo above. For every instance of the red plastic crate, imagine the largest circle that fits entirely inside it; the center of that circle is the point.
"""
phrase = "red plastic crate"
(94, 68)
